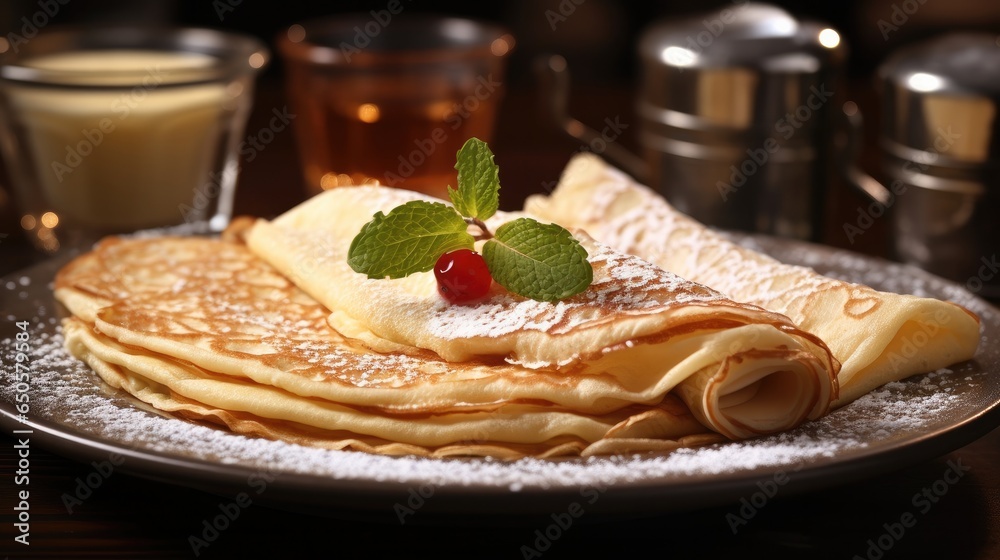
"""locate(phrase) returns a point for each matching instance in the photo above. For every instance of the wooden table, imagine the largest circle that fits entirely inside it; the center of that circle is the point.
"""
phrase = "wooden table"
(128, 517)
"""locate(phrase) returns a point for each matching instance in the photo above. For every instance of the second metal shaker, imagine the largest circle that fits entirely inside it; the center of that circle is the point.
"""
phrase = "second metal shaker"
(940, 140)
(737, 111)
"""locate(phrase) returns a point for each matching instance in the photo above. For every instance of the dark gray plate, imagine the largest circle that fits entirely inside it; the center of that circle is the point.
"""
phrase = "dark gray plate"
(73, 413)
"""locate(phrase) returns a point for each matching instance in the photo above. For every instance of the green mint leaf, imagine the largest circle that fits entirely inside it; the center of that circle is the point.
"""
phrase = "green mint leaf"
(409, 239)
(478, 193)
(543, 262)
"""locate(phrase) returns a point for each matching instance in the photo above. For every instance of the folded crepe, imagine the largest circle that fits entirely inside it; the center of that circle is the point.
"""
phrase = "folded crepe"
(742, 370)
(878, 337)
(204, 329)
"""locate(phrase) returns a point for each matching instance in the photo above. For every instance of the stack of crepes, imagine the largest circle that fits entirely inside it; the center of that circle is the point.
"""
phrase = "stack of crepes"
(280, 338)
(878, 337)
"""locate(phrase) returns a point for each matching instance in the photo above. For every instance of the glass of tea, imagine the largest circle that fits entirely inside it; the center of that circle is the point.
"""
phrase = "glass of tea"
(386, 98)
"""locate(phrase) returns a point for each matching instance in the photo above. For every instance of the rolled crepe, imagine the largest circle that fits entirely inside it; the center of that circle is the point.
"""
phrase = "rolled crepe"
(743, 371)
(878, 337)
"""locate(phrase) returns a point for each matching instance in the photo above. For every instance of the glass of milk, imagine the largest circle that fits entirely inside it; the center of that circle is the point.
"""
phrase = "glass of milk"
(111, 130)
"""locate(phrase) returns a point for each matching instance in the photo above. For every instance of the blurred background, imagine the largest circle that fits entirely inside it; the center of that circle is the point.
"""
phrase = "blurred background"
(597, 38)
(600, 35)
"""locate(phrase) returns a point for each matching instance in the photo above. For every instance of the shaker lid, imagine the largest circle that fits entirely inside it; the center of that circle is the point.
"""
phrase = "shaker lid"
(739, 68)
(940, 100)
(749, 35)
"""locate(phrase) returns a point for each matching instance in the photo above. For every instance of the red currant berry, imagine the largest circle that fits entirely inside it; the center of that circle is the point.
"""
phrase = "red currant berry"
(462, 276)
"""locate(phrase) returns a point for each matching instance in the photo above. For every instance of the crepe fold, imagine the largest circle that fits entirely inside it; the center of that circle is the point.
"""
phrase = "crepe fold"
(878, 337)
(204, 329)
(638, 334)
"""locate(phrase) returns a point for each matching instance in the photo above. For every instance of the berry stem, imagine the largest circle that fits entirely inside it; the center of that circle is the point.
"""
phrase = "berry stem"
(486, 234)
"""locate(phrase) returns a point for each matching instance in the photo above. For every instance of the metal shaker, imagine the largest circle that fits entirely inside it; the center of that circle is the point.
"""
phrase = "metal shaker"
(940, 143)
(737, 110)
(738, 125)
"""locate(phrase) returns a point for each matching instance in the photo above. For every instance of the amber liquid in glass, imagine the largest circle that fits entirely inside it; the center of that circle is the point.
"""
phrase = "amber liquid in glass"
(389, 137)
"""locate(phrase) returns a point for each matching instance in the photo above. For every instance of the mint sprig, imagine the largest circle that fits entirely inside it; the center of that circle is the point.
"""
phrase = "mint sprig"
(409, 239)
(478, 193)
(543, 262)
(540, 261)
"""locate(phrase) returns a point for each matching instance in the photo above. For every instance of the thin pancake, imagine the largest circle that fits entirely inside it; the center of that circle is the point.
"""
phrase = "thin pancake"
(217, 306)
(240, 344)
(742, 370)
(542, 430)
(877, 336)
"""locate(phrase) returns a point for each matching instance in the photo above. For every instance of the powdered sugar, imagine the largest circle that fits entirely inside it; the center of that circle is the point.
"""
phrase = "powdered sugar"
(67, 393)
(623, 285)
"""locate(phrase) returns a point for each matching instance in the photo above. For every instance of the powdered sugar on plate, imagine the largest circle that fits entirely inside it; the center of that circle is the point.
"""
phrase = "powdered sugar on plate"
(67, 393)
